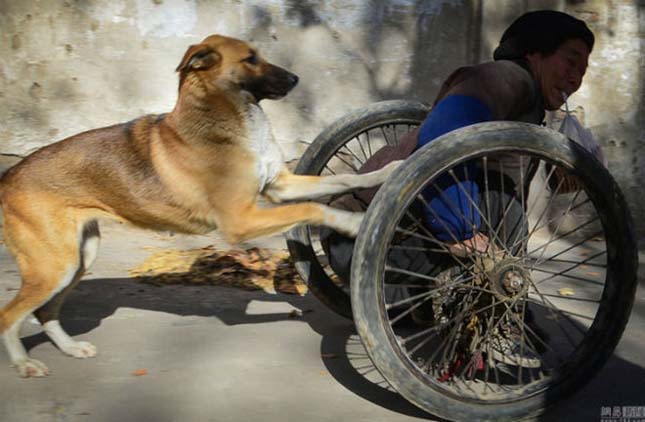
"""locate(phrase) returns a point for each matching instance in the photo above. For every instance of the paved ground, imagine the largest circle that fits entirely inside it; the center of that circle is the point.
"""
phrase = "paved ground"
(222, 354)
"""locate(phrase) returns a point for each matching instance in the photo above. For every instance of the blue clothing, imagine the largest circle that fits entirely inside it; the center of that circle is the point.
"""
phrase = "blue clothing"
(450, 214)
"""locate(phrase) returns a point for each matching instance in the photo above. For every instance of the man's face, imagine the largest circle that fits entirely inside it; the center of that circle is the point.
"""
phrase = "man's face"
(560, 72)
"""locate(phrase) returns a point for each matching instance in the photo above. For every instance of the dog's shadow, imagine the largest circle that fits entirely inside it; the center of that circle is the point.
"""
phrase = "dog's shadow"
(206, 289)
(94, 300)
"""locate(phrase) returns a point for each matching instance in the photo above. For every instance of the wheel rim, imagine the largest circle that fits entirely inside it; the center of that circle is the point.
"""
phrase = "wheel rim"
(567, 280)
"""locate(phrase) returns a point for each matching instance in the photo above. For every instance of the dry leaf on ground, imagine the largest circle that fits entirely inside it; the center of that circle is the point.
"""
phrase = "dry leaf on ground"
(252, 269)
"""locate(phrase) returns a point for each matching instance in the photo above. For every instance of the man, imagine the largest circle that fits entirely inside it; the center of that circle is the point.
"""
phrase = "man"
(540, 61)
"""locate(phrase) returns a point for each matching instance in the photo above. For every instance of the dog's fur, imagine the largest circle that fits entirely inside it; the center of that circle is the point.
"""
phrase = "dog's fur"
(200, 167)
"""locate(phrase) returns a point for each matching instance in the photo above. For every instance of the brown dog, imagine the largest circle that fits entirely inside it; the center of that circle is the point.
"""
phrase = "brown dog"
(200, 167)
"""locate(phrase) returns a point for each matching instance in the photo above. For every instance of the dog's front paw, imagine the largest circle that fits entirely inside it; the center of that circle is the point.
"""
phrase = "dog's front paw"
(351, 223)
(31, 368)
(80, 349)
(345, 222)
(355, 220)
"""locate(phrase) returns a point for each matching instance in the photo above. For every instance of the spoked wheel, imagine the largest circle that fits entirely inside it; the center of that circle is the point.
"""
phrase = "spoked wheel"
(344, 147)
(503, 332)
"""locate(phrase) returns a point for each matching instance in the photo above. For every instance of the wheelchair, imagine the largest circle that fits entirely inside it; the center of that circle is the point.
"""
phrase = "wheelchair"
(499, 334)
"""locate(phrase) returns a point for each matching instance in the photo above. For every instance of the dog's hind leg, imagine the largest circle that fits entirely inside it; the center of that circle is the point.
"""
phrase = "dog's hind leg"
(49, 259)
(288, 186)
(48, 313)
(39, 285)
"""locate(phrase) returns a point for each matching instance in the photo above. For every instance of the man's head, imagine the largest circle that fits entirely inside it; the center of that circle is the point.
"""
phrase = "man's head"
(557, 48)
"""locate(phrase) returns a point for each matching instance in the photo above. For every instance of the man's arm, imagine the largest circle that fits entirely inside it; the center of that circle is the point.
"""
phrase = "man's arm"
(491, 91)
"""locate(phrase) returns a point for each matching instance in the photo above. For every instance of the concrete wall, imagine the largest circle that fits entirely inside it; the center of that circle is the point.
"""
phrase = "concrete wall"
(72, 65)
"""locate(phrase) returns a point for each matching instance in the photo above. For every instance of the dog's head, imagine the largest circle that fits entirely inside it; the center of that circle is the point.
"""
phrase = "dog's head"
(222, 61)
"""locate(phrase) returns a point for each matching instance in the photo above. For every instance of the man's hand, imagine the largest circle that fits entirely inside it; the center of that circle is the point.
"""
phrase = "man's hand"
(478, 243)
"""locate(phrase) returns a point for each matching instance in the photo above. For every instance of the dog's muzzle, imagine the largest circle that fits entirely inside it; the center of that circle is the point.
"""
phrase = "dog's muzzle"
(274, 83)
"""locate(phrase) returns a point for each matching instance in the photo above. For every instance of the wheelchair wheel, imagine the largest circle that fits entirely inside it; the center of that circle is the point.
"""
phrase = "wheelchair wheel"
(343, 147)
(522, 323)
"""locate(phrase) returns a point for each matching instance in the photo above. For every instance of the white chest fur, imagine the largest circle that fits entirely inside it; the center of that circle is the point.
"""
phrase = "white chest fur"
(268, 157)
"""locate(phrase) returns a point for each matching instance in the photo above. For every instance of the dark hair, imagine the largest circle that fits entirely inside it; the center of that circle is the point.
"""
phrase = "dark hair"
(542, 32)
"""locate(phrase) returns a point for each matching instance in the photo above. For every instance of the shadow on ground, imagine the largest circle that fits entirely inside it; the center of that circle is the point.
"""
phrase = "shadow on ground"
(619, 383)
(94, 300)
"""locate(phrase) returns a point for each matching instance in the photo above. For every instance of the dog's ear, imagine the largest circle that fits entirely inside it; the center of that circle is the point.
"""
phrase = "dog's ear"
(199, 57)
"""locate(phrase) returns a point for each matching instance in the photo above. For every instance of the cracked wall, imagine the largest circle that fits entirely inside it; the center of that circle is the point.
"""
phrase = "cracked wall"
(72, 65)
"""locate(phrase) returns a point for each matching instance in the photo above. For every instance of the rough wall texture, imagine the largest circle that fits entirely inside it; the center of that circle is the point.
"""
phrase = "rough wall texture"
(69, 65)
(72, 65)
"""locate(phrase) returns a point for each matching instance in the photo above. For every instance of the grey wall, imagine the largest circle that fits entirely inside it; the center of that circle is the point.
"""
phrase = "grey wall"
(72, 65)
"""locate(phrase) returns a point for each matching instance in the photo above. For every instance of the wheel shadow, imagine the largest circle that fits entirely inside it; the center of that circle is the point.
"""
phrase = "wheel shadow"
(347, 361)
(618, 383)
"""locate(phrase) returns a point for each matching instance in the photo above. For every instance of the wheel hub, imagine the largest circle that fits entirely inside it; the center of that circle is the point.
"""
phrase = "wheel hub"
(508, 279)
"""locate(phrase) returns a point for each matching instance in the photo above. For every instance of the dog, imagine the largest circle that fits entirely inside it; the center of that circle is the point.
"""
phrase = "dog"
(202, 166)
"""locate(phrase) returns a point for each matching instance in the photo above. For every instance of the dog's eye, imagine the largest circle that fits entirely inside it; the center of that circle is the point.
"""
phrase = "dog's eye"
(252, 59)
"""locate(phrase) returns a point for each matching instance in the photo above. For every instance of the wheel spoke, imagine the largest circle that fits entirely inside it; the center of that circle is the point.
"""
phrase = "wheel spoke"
(430, 237)
(474, 207)
(541, 260)
(415, 248)
(578, 299)
(563, 236)
(553, 309)
(552, 197)
(387, 141)
(536, 200)
(551, 221)
(568, 261)
(360, 144)
(563, 311)
(353, 155)
(448, 230)
(568, 269)
(424, 294)
(570, 248)
(329, 169)
(410, 310)
(348, 164)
